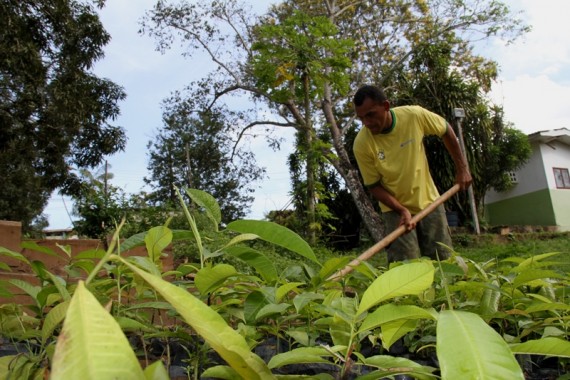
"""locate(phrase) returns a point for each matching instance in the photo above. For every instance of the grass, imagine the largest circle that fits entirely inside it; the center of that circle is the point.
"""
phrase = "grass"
(480, 248)
(491, 246)
(485, 247)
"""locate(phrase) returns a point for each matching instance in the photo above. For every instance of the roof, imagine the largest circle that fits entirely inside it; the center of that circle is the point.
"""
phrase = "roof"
(561, 135)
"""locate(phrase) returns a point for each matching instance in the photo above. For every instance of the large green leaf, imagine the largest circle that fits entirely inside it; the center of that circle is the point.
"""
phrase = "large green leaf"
(490, 301)
(546, 346)
(156, 241)
(209, 278)
(91, 344)
(406, 279)
(276, 234)
(13, 254)
(390, 312)
(221, 372)
(156, 371)
(394, 330)
(253, 303)
(30, 289)
(229, 344)
(34, 246)
(55, 316)
(262, 264)
(468, 348)
(301, 355)
(208, 203)
(527, 276)
(393, 366)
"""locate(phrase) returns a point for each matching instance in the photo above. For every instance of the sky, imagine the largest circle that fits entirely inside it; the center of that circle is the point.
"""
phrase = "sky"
(533, 87)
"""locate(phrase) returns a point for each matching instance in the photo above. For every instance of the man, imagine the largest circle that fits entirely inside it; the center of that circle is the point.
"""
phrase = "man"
(391, 157)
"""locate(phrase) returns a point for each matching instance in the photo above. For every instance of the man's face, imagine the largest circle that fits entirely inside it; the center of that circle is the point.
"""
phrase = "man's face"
(375, 116)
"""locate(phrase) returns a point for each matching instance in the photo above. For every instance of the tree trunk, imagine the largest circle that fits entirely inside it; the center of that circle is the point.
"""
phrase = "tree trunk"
(342, 164)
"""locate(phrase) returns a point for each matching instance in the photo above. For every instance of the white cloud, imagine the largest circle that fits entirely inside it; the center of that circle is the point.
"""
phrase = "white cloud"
(534, 84)
(534, 103)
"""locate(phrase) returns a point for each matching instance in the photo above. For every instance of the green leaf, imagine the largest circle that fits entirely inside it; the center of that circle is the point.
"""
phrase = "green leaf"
(534, 259)
(272, 309)
(208, 279)
(305, 298)
(462, 335)
(262, 264)
(490, 301)
(302, 355)
(285, 289)
(276, 234)
(390, 312)
(407, 279)
(397, 366)
(230, 345)
(550, 306)
(253, 303)
(333, 265)
(53, 319)
(221, 372)
(60, 285)
(546, 346)
(208, 203)
(34, 246)
(13, 255)
(129, 324)
(91, 344)
(156, 241)
(156, 371)
(30, 289)
(145, 263)
(136, 240)
(394, 330)
(529, 275)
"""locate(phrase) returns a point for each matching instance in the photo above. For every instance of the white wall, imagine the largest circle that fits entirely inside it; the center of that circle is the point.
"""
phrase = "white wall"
(554, 155)
(531, 177)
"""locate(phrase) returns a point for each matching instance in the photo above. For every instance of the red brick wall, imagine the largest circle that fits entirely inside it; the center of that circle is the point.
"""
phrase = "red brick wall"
(11, 238)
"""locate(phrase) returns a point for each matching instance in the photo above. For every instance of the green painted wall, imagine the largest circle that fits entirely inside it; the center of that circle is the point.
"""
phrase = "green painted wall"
(533, 209)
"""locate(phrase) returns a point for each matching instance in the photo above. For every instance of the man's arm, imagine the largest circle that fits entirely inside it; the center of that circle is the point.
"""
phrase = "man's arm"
(462, 174)
(382, 195)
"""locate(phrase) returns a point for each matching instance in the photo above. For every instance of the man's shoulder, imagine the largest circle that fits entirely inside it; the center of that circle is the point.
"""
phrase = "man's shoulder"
(410, 109)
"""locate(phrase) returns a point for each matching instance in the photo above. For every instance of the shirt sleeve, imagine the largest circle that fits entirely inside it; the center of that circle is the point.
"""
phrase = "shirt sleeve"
(432, 123)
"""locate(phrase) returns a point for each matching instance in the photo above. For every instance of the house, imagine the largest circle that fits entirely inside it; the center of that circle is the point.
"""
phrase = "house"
(541, 194)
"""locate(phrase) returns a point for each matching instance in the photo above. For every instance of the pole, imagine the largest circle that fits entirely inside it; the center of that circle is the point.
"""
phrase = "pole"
(460, 114)
(394, 234)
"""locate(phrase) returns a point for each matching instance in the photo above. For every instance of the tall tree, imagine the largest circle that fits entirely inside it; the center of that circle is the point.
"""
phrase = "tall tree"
(54, 113)
(385, 35)
(99, 205)
(196, 150)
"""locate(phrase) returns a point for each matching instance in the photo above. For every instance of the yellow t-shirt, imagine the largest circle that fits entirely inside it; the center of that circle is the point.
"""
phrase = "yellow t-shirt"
(397, 159)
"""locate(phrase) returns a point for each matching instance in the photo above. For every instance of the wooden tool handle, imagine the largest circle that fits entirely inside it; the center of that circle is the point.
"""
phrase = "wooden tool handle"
(394, 234)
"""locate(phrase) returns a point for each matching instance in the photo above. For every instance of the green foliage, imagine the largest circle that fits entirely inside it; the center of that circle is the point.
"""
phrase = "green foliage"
(196, 151)
(301, 47)
(54, 112)
(476, 317)
(304, 58)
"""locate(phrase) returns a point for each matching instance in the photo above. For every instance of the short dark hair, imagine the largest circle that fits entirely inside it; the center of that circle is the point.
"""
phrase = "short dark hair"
(369, 91)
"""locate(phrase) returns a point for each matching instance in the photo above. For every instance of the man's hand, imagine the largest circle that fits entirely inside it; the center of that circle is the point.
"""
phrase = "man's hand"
(463, 177)
(406, 219)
